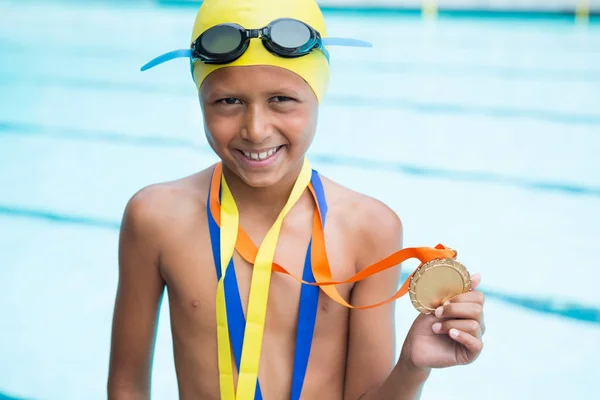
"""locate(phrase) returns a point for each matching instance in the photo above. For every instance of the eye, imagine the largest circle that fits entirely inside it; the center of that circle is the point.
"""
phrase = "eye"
(229, 100)
(281, 99)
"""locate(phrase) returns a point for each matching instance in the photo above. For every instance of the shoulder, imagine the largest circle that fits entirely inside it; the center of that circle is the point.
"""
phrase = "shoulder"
(162, 206)
(375, 229)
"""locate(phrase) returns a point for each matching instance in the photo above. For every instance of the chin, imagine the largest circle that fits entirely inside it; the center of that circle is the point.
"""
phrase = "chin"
(258, 180)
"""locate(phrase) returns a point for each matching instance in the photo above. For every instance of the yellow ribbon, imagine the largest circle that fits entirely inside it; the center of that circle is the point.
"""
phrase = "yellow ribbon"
(229, 217)
(259, 293)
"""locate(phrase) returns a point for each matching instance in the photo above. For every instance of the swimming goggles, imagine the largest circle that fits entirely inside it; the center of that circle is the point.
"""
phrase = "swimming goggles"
(284, 37)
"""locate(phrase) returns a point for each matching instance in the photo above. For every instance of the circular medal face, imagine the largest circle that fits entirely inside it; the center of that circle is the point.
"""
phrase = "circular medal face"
(437, 281)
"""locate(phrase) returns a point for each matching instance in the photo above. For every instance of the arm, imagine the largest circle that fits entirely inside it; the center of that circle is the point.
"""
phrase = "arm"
(139, 296)
(370, 373)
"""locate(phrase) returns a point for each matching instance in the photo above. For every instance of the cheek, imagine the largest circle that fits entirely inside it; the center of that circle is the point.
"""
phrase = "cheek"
(219, 130)
(300, 127)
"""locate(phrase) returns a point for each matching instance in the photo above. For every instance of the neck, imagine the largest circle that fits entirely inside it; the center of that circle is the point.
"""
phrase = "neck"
(263, 202)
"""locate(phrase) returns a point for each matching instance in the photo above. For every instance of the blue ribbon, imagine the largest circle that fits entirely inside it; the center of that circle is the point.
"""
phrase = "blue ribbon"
(309, 300)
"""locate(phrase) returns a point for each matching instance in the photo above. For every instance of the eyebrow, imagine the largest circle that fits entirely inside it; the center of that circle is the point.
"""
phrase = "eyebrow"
(283, 90)
(231, 92)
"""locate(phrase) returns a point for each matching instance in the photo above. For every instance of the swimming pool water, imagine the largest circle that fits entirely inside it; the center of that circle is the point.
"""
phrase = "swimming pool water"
(483, 134)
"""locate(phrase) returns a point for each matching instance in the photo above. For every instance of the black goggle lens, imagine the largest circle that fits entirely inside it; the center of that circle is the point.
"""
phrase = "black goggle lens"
(290, 34)
(221, 39)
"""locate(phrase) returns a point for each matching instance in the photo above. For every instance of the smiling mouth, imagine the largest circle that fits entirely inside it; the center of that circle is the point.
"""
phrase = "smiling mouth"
(261, 156)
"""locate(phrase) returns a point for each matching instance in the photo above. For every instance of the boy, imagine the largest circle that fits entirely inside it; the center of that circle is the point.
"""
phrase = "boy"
(260, 105)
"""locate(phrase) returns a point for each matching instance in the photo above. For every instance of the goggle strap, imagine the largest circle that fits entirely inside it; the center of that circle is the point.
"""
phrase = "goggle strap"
(187, 53)
(182, 53)
(333, 41)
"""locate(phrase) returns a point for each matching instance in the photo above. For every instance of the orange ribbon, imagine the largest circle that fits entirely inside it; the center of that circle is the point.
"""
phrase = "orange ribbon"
(321, 269)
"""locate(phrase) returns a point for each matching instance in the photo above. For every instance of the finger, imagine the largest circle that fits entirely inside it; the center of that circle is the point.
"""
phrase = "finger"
(469, 326)
(460, 310)
(473, 344)
(463, 311)
(474, 296)
(470, 297)
(475, 281)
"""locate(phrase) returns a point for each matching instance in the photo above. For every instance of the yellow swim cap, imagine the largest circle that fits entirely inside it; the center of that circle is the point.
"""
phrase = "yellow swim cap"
(255, 14)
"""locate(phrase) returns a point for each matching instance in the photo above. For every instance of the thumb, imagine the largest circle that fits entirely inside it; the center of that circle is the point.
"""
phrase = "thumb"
(475, 281)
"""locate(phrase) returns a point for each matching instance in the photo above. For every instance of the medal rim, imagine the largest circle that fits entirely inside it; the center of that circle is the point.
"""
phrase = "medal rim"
(423, 269)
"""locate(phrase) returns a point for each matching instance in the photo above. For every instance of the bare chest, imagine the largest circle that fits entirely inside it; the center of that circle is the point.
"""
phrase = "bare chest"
(191, 278)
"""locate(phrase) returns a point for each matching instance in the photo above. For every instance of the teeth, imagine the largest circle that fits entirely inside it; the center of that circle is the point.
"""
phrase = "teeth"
(261, 156)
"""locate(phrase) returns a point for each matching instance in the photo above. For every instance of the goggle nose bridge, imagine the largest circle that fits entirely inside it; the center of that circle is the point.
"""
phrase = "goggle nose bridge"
(254, 33)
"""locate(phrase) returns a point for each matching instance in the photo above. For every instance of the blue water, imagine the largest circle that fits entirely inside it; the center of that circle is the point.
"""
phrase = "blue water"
(482, 133)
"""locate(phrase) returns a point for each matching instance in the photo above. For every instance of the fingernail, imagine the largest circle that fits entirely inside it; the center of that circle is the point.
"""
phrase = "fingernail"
(437, 327)
(439, 311)
(447, 302)
(454, 333)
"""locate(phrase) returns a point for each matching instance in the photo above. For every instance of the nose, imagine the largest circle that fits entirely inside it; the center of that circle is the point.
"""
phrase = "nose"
(257, 127)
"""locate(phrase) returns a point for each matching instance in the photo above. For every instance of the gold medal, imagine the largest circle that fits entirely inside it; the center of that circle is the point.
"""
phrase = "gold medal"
(436, 282)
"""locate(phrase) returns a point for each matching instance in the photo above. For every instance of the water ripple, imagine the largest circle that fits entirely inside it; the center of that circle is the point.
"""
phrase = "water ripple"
(354, 101)
(482, 177)
(555, 307)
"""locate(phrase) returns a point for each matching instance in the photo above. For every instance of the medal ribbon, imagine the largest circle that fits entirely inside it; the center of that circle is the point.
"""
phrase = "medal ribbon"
(229, 216)
(309, 295)
(259, 291)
